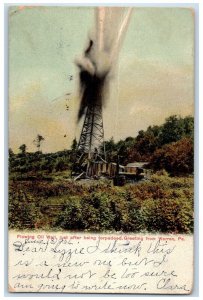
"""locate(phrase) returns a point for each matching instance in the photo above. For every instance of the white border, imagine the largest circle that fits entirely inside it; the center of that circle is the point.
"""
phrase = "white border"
(3, 132)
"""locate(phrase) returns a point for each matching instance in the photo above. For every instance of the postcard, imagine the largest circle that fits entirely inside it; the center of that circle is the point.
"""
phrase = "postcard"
(101, 149)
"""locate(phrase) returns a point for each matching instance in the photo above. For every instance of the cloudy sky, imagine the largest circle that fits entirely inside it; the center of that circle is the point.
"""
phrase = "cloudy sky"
(152, 80)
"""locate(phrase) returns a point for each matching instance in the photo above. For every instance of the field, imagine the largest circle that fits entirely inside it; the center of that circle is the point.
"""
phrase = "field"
(161, 204)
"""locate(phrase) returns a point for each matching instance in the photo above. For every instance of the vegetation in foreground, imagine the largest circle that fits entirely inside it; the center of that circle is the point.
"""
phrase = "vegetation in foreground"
(163, 204)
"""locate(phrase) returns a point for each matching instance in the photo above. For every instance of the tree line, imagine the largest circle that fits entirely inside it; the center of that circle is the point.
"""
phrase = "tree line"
(169, 146)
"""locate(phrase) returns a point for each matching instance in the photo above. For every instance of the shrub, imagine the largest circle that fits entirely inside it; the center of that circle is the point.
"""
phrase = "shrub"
(22, 211)
(164, 204)
(97, 212)
(174, 215)
(71, 217)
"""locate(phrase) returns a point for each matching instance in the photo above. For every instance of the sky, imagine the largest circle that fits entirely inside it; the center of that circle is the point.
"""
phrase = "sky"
(152, 79)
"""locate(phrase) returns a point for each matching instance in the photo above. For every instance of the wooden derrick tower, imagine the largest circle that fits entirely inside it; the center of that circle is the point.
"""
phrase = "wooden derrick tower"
(91, 146)
(92, 134)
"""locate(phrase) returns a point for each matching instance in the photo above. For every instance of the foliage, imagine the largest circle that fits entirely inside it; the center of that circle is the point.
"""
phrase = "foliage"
(74, 145)
(176, 128)
(164, 204)
(10, 153)
(22, 148)
(22, 209)
(168, 215)
(155, 145)
(39, 139)
(176, 158)
(42, 195)
(71, 217)
(146, 143)
(97, 213)
(37, 162)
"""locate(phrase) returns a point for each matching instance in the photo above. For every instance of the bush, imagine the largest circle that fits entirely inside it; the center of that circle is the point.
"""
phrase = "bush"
(23, 212)
(71, 217)
(97, 213)
(174, 215)
(164, 204)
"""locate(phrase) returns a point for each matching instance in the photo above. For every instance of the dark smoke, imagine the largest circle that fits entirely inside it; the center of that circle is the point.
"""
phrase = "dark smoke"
(91, 85)
(101, 54)
(92, 88)
(89, 48)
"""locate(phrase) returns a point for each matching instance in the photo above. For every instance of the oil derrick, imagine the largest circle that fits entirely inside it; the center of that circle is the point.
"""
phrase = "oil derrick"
(92, 134)
(91, 145)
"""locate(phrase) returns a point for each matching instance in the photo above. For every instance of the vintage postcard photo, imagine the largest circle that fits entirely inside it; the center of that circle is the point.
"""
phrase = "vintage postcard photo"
(101, 149)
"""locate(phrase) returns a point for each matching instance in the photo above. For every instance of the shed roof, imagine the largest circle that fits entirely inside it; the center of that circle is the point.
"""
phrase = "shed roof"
(137, 164)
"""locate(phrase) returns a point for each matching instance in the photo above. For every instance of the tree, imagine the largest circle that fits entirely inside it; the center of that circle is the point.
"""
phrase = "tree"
(176, 158)
(111, 150)
(74, 145)
(10, 153)
(23, 148)
(124, 148)
(188, 123)
(146, 143)
(172, 130)
(142, 147)
(38, 141)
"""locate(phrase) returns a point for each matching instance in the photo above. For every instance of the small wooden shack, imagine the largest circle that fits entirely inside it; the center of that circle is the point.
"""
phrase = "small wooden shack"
(135, 167)
(99, 168)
